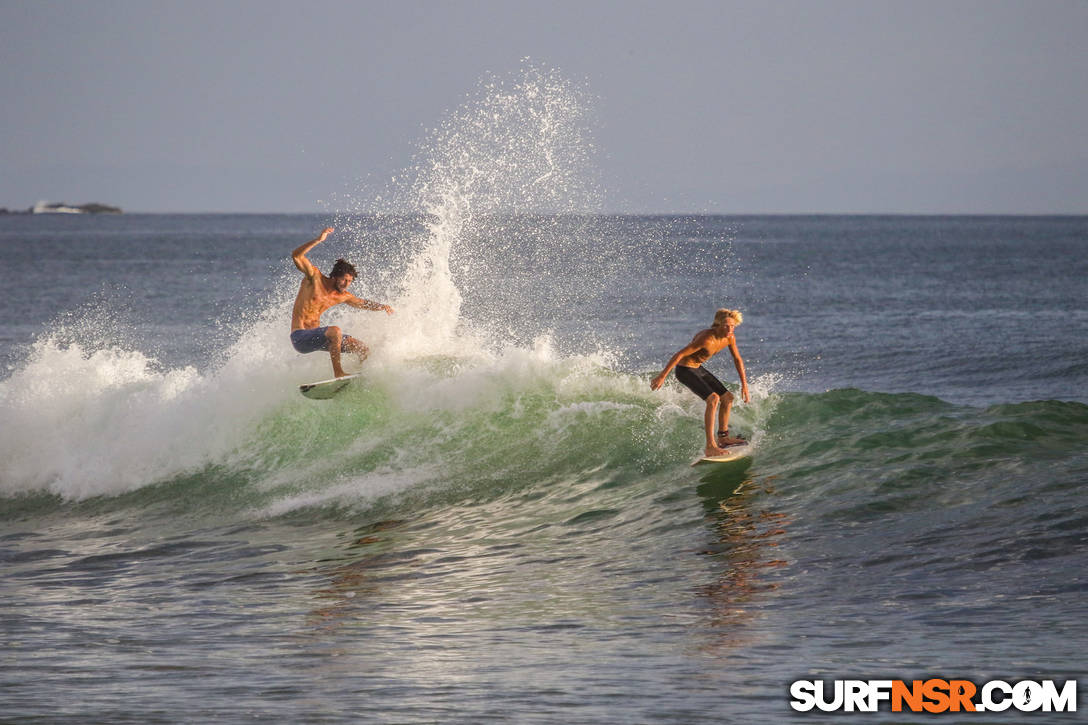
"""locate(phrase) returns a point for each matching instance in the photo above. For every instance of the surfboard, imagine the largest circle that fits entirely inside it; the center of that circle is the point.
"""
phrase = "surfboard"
(325, 389)
(732, 453)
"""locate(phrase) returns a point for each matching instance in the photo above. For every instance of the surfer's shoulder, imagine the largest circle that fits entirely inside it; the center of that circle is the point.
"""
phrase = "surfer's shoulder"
(703, 335)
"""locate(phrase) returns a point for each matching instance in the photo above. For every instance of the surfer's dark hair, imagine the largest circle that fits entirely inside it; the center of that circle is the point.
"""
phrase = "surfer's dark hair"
(343, 267)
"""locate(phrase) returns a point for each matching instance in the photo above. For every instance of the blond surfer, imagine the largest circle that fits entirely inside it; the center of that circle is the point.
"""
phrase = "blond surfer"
(688, 363)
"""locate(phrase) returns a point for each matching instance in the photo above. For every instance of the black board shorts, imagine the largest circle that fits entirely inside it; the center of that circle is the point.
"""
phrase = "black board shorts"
(699, 381)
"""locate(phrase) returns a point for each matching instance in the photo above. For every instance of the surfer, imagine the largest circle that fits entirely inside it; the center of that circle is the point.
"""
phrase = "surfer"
(318, 293)
(690, 371)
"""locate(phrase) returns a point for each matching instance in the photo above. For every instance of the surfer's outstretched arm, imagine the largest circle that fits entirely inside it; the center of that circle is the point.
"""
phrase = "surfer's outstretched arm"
(690, 349)
(299, 255)
(362, 304)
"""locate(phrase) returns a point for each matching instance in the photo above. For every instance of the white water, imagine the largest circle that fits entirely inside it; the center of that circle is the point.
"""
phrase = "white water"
(80, 420)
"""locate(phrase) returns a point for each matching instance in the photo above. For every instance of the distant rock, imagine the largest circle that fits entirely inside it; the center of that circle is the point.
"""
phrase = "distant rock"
(96, 208)
(47, 207)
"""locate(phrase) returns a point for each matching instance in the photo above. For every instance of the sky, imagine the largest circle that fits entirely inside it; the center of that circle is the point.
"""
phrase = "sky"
(698, 107)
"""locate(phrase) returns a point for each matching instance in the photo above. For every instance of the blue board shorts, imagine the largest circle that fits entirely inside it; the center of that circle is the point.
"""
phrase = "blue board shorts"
(314, 339)
(699, 381)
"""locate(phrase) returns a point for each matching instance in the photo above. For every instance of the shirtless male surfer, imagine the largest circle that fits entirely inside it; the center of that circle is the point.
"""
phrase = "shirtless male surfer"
(318, 293)
(690, 371)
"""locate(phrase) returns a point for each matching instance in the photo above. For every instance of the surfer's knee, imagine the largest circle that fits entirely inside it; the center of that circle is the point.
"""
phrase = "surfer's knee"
(712, 399)
(727, 397)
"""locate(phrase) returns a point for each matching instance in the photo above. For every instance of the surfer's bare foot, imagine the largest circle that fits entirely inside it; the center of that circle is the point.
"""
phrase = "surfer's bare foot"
(712, 451)
(725, 440)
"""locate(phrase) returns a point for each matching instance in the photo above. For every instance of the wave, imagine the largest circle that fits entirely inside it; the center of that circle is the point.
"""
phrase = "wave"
(81, 424)
(851, 456)
(856, 421)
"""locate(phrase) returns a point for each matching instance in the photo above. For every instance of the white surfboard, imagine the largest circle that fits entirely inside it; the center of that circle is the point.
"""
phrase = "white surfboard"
(732, 453)
(325, 389)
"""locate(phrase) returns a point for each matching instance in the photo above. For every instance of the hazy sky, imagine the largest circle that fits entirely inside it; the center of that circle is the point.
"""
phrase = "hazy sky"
(732, 107)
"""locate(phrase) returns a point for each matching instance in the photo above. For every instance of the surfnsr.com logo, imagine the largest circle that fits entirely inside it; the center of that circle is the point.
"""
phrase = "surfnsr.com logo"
(934, 695)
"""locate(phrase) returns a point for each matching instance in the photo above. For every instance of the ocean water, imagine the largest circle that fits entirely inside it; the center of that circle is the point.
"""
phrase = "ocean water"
(501, 523)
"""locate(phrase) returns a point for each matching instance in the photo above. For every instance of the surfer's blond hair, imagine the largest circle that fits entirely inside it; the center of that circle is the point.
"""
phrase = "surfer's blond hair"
(724, 314)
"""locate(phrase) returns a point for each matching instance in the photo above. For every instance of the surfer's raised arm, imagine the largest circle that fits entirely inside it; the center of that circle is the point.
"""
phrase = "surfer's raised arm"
(299, 255)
